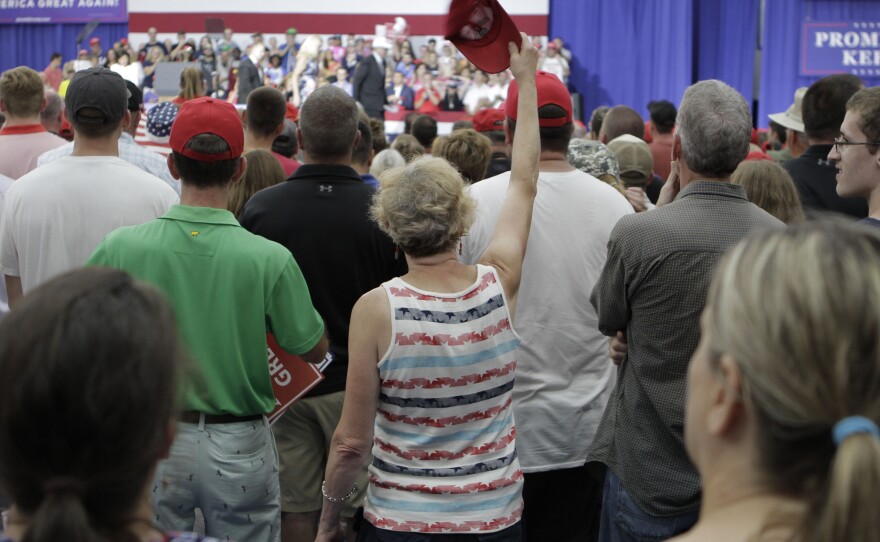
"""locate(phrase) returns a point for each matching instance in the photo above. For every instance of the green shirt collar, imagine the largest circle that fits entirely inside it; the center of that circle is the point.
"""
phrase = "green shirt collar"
(205, 215)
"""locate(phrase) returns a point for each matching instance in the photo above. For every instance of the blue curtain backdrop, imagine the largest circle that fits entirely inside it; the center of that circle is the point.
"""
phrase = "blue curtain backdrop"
(781, 47)
(33, 44)
(726, 37)
(626, 51)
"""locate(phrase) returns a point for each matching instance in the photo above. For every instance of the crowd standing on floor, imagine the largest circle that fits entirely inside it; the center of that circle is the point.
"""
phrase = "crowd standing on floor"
(629, 329)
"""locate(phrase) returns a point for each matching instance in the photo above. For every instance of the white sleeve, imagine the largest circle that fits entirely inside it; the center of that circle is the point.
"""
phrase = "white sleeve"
(9, 263)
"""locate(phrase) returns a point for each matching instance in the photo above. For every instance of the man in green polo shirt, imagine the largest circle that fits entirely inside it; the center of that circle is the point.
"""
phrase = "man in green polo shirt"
(228, 287)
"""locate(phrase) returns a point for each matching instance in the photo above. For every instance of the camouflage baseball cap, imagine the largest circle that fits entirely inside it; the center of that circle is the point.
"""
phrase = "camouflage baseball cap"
(592, 157)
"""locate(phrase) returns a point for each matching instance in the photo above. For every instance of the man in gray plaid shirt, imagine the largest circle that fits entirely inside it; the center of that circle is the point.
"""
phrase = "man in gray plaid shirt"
(649, 299)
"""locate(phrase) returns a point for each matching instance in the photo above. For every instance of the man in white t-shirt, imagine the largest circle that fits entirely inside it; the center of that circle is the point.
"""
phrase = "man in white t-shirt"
(479, 94)
(564, 373)
(55, 216)
(150, 161)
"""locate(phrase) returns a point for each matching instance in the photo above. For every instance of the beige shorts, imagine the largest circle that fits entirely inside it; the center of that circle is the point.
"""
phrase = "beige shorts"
(302, 436)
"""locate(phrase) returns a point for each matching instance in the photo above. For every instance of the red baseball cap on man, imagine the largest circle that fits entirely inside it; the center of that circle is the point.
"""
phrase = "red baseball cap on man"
(207, 116)
(94, 41)
(489, 120)
(291, 112)
(481, 30)
(551, 91)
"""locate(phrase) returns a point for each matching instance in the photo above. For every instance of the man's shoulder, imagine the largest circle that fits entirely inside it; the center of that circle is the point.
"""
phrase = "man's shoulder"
(56, 153)
(125, 238)
(808, 168)
(683, 225)
(35, 180)
(146, 182)
(491, 187)
(237, 242)
(648, 229)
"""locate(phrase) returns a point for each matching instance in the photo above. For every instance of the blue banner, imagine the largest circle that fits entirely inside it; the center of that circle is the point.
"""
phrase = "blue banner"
(840, 47)
(63, 11)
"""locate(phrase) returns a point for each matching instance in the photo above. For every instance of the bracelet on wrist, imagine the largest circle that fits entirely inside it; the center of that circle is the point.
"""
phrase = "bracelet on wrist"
(337, 499)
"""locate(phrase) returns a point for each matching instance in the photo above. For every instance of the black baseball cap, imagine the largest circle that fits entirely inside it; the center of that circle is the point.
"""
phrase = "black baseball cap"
(135, 97)
(100, 89)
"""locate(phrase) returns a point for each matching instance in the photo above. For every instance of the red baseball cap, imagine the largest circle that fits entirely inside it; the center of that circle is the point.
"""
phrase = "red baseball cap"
(207, 116)
(489, 120)
(551, 91)
(481, 30)
(94, 41)
(292, 113)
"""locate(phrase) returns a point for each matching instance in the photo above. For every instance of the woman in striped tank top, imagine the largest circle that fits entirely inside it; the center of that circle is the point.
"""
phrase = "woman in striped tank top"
(432, 358)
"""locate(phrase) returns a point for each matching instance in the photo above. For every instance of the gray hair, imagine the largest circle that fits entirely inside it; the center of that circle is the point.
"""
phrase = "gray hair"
(54, 105)
(328, 121)
(714, 125)
(387, 159)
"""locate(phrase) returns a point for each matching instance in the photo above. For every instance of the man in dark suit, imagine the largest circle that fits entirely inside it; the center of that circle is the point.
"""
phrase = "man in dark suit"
(250, 72)
(368, 85)
(399, 93)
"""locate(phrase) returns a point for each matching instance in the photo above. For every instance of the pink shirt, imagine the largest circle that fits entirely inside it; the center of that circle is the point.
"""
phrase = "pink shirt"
(52, 77)
(20, 146)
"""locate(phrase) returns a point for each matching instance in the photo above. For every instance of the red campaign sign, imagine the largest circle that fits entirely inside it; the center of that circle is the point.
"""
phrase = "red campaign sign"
(292, 377)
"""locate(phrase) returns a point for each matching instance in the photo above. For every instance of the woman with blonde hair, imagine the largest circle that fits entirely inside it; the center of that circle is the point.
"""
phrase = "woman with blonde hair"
(263, 170)
(435, 348)
(306, 70)
(784, 389)
(192, 85)
(771, 188)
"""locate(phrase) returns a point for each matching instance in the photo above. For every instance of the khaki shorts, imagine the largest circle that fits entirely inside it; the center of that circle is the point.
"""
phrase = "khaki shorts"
(302, 436)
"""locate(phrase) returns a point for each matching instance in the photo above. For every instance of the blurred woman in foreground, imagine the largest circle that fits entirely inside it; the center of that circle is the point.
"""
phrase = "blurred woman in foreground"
(784, 389)
(433, 353)
(89, 366)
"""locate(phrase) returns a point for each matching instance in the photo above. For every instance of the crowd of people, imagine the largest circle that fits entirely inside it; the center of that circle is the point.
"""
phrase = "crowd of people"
(533, 328)
(433, 77)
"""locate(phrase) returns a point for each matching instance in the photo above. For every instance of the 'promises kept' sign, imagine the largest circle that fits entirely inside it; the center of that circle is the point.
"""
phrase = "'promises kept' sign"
(840, 47)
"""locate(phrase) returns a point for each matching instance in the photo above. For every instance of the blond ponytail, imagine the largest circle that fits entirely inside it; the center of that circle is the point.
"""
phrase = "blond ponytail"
(847, 510)
(799, 311)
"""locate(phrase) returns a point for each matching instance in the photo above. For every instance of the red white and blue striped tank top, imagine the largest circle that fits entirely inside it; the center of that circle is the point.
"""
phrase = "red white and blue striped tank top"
(444, 454)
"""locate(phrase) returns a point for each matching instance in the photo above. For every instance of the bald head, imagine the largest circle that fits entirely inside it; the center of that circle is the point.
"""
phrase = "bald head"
(328, 125)
(621, 120)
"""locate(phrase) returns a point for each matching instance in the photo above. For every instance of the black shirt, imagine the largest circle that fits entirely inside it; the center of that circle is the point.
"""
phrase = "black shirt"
(321, 214)
(498, 164)
(815, 178)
